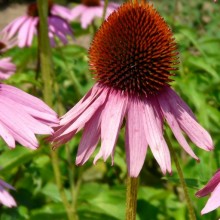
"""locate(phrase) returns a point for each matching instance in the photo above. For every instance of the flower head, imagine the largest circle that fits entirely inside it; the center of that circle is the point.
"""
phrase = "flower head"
(132, 56)
(213, 187)
(88, 10)
(26, 26)
(22, 116)
(5, 198)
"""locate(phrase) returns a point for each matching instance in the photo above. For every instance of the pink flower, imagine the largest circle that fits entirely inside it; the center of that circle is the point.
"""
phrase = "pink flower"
(26, 26)
(7, 68)
(132, 60)
(213, 187)
(22, 116)
(5, 198)
(90, 9)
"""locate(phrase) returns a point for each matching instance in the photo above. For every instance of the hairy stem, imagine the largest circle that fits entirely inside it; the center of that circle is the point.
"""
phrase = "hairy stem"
(192, 215)
(131, 198)
(46, 63)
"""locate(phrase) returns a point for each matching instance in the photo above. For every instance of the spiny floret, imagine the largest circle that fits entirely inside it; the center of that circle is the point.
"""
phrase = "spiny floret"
(134, 50)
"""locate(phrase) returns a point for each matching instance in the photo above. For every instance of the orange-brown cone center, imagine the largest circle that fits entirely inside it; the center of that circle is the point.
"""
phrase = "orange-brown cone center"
(134, 51)
(33, 9)
(91, 2)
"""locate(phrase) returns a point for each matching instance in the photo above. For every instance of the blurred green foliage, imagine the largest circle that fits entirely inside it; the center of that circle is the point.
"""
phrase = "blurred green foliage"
(100, 190)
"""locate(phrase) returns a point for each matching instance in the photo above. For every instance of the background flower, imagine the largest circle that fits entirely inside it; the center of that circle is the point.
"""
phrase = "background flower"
(26, 26)
(88, 10)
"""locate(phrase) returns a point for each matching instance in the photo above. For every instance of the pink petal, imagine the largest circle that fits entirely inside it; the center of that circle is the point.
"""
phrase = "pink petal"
(61, 11)
(76, 11)
(188, 124)
(32, 30)
(6, 136)
(112, 118)
(31, 104)
(89, 15)
(34, 125)
(5, 198)
(210, 186)
(59, 140)
(24, 36)
(90, 138)
(87, 114)
(81, 105)
(171, 120)
(136, 143)
(153, 131)
(213, 201)
(14, 26)
(15, 126)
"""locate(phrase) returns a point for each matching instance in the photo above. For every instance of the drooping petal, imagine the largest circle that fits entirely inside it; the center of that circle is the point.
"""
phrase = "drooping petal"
(16, 127)
(35, 125)
(81, 105)
(31, 31)
(14, 26)
(210, 186)
(31, 104)
(154, 134)
(166, 108)
(188, 124)
(112, 118)
(136, 143)
(86, 115)
(23, 32)
(7, 137)
(213, 202)
(90, 138)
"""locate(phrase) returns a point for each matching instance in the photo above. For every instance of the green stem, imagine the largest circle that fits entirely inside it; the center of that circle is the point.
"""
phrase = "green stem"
(71, 172)
(46, 63)
(192, 215)
(104, 10)
(131, 198)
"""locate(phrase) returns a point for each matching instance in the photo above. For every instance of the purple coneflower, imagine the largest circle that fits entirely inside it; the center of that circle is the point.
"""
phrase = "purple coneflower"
(213, 187)
(132, 57)
(22, 116)
(88, 10)
(26, 26)
(5, 198)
